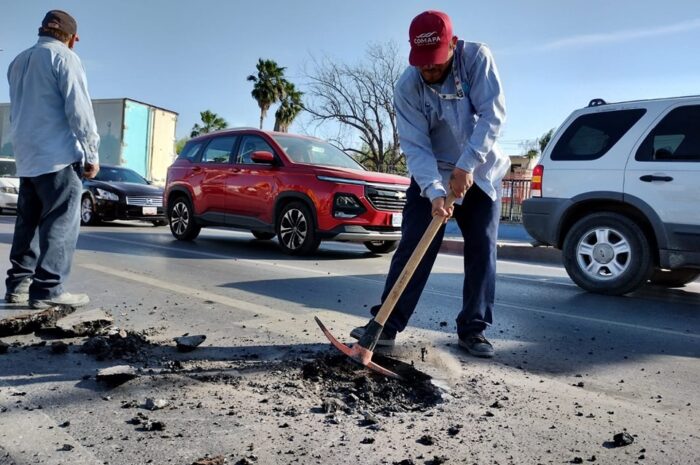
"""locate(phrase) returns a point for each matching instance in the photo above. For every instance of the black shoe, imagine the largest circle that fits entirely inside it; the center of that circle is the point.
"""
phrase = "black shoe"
(385, 340)
(478, 346)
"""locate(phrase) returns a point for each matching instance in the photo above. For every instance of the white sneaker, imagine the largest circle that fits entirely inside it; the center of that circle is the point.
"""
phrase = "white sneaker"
(72, 300)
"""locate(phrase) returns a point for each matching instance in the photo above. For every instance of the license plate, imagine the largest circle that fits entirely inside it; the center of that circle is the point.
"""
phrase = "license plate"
(396, 219)
(150, 210)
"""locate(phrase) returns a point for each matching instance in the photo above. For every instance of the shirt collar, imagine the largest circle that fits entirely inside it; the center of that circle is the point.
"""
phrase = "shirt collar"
(45, 40)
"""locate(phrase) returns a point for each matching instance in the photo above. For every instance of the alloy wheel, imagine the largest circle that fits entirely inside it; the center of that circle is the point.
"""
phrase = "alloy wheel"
(603, 253)
(180, 218)
(86, 212)
(293, 229)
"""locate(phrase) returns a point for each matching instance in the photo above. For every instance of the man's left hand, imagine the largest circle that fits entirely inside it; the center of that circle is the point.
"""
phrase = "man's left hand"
(460, 182)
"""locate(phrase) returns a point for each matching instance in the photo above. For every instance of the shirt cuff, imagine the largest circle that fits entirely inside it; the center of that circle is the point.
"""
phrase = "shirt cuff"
(434, 191)
(92, 158)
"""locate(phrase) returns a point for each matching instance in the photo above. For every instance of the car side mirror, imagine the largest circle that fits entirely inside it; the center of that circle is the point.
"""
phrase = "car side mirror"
(262, 156)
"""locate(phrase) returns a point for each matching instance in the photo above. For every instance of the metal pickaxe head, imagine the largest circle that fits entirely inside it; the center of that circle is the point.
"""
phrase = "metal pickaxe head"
(359, 353)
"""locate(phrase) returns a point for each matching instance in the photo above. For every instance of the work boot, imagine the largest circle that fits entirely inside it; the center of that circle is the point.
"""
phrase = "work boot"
(16, 297)
(72, 300)
(477, 345)
(385, 339)
(20, 294)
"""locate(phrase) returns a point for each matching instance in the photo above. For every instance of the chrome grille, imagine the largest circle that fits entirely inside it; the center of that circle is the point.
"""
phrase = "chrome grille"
(145, 201)
(386, 198)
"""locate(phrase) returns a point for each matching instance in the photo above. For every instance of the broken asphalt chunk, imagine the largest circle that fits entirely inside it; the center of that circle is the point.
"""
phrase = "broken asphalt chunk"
(33, 320)
(87, 323)
(622, 439)
(218, 460)
(454, 430)
(117, 374)
(189, 343)
(153, 425)
(332, 404)
(155, 404)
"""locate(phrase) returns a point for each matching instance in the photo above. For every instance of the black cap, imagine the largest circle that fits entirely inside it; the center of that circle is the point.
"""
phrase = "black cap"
(57, 19)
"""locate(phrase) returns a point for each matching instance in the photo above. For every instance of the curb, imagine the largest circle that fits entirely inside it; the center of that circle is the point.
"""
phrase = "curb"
(515, 251)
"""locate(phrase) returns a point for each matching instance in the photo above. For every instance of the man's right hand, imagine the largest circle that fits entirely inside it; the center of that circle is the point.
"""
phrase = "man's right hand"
(440, 210)
(91, 170)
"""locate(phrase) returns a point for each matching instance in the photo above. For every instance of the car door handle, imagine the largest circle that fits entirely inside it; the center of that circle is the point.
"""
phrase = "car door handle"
(196, 169)
(651, 177)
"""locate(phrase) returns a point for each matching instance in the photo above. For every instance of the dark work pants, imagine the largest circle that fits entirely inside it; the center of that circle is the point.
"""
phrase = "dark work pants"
(477, 219)
(46, 233)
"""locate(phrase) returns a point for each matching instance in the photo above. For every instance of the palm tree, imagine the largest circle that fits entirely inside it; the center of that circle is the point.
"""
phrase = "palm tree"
(268, 87)
(210, 122)
(290, 107)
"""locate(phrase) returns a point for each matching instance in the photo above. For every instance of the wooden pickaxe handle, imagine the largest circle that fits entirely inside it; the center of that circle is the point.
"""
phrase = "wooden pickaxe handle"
(413, 262)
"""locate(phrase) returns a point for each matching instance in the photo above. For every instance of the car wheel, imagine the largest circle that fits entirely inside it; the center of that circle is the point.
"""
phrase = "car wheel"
(607, 253)
(87, 211)
(295, 230)
(263, 236)
(181, 219)
(381, 246)
(673, 278)
(159, 222)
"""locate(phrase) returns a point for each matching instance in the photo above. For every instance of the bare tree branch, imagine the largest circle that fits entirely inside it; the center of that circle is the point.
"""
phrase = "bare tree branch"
(360, 98)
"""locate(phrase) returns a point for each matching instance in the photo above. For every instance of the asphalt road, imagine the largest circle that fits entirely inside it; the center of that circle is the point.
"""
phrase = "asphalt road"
(639, 352)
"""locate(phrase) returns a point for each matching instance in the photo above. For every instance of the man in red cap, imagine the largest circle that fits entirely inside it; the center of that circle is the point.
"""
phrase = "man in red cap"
(450, 108)
(55, 138)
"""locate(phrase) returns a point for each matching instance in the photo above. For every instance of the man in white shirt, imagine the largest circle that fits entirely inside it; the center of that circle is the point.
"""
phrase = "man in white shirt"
(55, 141)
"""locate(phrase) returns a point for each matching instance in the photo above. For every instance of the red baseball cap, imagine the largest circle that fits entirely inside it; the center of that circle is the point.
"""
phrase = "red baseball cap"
(430, 35)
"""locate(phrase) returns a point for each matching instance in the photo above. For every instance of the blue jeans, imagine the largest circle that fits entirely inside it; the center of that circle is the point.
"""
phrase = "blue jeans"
(477, 219)
(46, 232)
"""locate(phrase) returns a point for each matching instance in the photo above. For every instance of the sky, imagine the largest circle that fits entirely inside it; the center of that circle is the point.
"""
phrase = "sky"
(553, 56)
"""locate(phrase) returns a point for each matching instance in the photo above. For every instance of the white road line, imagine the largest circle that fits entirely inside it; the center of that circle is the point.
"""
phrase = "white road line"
(191, 291)
(600, 320)
(269, 312)
(546, 280)
(211, 255)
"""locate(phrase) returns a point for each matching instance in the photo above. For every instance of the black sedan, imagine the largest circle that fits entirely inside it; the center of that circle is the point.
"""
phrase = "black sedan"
(118, 193)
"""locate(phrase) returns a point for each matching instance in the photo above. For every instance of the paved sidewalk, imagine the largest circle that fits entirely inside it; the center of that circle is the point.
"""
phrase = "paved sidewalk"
(514, 243)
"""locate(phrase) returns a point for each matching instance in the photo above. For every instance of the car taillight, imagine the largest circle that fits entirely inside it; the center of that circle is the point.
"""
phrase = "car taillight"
(536, 182)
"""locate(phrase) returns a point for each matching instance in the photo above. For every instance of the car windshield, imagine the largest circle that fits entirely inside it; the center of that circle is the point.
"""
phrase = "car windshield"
(316, 152)
(8, 169)
(112, 174)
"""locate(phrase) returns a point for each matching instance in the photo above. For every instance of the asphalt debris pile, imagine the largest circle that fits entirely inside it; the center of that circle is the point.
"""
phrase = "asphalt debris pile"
(356, 389)
(127, 345)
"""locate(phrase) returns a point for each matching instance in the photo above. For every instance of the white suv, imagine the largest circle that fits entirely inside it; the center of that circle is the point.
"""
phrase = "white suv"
(618, 189)
(9, 185)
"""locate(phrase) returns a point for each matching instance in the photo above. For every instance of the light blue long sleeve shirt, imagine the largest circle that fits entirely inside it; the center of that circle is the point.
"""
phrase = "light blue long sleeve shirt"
(438, 134)
(51, 117)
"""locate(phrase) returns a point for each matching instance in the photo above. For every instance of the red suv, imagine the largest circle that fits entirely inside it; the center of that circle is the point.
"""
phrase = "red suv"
(302, 189)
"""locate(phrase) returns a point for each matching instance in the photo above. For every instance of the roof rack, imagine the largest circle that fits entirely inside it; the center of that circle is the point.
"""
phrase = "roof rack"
(596, 102)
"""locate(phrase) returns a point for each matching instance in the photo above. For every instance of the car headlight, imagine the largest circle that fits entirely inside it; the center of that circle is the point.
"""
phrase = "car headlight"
(9, 190)
(347, 206)
(106, 195)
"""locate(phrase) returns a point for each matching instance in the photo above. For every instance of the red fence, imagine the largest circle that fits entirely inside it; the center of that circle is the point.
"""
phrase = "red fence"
(514, 192)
